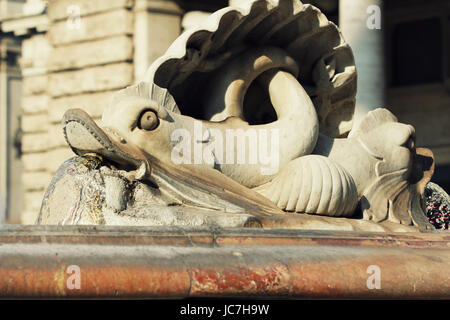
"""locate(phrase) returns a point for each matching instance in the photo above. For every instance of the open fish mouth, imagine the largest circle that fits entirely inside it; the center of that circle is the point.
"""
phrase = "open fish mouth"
(85, 137)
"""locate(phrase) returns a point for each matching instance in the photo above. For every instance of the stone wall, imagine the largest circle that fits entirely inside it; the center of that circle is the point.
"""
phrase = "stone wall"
(79, 62)
(36, 142)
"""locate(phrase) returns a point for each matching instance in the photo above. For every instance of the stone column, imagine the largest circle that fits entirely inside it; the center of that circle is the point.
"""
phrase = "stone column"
(237, 3)
(156, 25)
(360, 24)
(3, 133)
(11, 193)
(33, 7)
(194, 19)
(10, 7)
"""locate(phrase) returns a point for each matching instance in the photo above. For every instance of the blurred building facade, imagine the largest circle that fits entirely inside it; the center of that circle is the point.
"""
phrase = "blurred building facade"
(61, 54)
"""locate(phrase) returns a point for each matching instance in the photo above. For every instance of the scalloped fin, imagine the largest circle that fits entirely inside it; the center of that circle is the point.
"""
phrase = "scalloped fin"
(301, 30)
(149, 91)
(373, 120)
(313, 184)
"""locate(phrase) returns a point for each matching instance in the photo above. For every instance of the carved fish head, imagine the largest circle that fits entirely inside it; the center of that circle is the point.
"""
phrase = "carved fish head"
(142, 122)
(136, 128)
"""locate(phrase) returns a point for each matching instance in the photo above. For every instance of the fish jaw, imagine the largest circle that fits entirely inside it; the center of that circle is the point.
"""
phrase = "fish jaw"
(85, 137)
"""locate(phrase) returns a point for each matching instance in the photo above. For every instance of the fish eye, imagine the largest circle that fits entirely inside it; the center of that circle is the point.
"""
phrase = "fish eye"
(148, 120)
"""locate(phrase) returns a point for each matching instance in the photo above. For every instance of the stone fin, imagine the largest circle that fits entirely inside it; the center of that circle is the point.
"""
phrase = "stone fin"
(149, 91)
(373, 120)
(327, 70)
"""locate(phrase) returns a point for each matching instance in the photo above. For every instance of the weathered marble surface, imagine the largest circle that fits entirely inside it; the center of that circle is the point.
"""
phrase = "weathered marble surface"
(85, 191)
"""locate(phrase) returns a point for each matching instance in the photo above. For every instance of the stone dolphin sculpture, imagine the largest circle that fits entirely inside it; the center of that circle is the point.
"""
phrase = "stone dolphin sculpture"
(220, 77)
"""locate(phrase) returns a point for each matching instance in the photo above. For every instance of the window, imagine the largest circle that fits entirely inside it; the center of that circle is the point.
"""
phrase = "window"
(417, 52)
(441, 176)
(448, 47)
